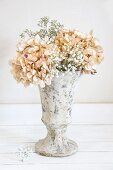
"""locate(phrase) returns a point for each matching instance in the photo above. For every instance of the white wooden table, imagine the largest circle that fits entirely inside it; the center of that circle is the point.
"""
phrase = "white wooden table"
(91, 128)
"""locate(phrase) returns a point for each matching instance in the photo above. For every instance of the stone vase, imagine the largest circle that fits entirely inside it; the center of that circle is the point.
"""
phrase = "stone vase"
(56, 102)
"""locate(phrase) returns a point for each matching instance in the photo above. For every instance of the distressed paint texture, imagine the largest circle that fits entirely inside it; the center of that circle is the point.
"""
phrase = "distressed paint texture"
(56, 115)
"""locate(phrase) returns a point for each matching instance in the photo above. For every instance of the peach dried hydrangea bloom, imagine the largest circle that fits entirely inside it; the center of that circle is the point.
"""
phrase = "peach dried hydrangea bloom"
(93, 53)
(66, 41)
(76, 42)
(32, 64)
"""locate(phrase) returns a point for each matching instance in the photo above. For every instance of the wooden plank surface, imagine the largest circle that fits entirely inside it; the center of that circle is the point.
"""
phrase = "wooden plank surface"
(58, 166)
(92, 129)
(78, 158)
(76, 132)
(95, 144)
(86, 146)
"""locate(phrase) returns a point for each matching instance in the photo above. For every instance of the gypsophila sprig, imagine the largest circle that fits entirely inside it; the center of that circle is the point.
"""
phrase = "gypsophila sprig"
(47, 31)
(28, 33)
(24, 153)
(51, 49)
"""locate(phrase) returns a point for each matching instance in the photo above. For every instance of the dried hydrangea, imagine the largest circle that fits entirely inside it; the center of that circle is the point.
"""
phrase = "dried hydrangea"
(33, 64)
(53, 49)
(79, 50)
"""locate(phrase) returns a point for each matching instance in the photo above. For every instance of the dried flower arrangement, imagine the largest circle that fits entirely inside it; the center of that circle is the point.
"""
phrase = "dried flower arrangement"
(42, 54)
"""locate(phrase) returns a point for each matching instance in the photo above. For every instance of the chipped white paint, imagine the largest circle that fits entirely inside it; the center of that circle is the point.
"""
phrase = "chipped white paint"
(56, 115)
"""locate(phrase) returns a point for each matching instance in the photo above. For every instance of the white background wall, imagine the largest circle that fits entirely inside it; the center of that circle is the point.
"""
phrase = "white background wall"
(16, 15)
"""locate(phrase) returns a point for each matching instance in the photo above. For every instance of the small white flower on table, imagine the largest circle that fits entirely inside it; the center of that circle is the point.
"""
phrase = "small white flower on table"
(24, 153)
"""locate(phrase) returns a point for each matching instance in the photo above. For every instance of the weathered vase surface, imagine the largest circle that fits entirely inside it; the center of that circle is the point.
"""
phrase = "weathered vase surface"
(56, 115)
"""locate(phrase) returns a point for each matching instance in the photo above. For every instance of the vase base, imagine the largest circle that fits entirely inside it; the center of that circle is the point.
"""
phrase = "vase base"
(53, 150)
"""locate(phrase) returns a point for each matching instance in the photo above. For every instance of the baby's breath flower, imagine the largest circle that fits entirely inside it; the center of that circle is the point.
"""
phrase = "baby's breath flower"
(24, 153)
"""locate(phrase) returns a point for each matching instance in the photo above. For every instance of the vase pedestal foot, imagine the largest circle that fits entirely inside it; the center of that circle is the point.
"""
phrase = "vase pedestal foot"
(49, 148)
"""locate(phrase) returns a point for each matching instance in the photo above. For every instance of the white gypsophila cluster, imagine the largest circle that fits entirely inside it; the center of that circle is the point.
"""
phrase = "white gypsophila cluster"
(24, 153)
(70, 62)
(47, 31)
